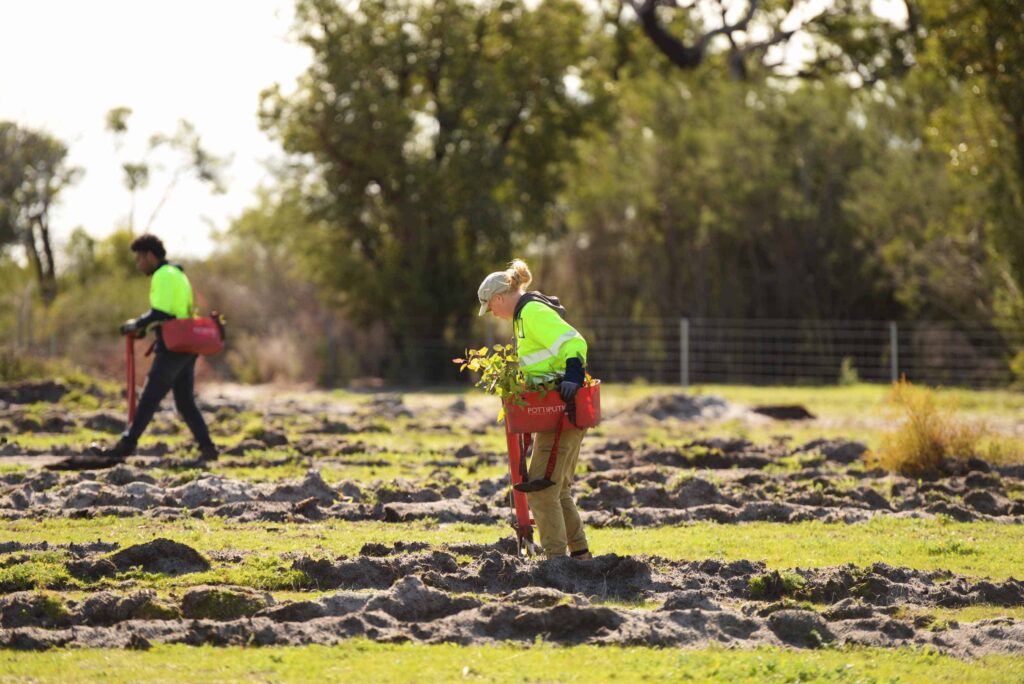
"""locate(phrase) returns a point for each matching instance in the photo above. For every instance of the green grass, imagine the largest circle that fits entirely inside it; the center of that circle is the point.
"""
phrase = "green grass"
(993, 549)
(860, 412)
(854, 400)
(363, 661)
(44, 570)
(968, 613)
(974, 549)
(854, 412)
(330, 537)
(413, 466)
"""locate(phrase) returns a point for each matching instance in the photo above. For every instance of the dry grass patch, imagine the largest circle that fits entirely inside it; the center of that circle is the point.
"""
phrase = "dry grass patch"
(930, 439)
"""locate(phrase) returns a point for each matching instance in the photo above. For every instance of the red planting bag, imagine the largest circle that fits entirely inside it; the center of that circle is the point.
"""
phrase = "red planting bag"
(542, 411)
(203, 336)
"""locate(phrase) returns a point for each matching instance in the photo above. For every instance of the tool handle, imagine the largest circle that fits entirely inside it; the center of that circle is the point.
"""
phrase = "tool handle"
(129, 374)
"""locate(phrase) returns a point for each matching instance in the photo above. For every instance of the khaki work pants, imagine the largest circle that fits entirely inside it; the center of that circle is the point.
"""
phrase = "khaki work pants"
(554, 511)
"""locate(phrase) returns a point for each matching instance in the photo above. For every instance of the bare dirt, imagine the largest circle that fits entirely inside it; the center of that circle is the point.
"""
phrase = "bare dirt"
(727, 482)
(427, 596)
(411, 592)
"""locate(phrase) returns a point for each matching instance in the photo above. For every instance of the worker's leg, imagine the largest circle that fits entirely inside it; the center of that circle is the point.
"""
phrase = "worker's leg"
(162, 376)
(574, 534)
(546, 504)
(185, 401)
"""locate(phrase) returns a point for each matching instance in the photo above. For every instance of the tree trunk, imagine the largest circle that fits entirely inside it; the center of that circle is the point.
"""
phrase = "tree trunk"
(48, 286)
(33, 255)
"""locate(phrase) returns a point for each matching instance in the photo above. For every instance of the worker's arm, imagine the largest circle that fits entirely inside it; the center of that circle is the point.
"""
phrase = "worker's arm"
(139, 325)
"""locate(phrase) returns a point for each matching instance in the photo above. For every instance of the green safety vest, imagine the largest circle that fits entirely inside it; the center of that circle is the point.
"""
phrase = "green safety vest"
(544, 342)
(171, 292)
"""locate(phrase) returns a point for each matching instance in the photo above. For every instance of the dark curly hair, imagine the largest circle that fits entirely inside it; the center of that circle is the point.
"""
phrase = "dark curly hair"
(149, 243)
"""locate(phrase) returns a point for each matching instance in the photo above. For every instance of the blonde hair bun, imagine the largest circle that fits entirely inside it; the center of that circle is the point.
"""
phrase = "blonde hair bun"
(519, 276)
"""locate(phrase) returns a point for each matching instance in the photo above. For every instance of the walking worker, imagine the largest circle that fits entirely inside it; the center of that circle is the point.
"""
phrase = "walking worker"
(170, 296)
(549, 350)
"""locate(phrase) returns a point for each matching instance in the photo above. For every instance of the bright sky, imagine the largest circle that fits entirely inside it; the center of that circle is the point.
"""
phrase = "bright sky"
(65, 63)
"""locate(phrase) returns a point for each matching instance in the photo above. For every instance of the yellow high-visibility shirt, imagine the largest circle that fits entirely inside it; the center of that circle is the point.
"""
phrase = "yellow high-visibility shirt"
(171, 292)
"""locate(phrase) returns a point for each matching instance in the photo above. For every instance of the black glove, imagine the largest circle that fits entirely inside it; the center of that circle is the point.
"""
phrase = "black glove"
(573, 380)
(140, 324)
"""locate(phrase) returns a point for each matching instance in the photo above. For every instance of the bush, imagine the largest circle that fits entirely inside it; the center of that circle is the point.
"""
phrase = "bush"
(773, 585)
(848, 374)
(929, 440)
(1017, 369)
(15, 366)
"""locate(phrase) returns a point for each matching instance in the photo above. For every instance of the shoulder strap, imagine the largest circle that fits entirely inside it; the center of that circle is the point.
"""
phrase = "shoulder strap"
(551, 302)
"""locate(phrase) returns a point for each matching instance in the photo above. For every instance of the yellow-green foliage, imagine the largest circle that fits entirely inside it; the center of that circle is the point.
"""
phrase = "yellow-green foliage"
(929, 438)
(14, 366)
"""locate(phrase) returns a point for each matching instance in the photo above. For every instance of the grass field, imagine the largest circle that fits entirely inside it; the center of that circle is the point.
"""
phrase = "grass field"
(362, 661)
(974, 549)
(981, 549)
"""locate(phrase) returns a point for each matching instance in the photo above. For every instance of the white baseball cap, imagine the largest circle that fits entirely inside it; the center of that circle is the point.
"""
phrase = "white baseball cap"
(495, 283)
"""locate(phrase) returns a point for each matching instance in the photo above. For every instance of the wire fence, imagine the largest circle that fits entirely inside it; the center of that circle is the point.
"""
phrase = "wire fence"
(715, 350)
(681, 351)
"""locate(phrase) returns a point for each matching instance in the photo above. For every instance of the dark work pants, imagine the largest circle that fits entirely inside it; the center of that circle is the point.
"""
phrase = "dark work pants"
(170, 371)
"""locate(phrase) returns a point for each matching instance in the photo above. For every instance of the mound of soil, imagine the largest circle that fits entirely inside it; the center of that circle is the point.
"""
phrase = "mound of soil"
(32, 609)
(683, 406)
(222, 603)
(108, 608)
(836, 450)
(784, 412)
(414, 612)
(32, 392)
(160, 556)
(421, 597)
(622, 488)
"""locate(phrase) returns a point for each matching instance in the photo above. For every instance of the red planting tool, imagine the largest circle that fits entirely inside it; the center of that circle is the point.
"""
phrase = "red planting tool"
(129, 374)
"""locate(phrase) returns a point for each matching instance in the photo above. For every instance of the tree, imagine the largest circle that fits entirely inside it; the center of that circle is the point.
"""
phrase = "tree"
(33, 173)
(727, 203)
(976, 49)
(189, 158)
(698, 25)
(429, 138)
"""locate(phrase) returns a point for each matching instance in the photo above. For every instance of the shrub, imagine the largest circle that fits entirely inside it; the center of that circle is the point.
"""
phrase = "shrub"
(773, 585)
(1017, 369)
(16, 366)
(848, 374)
(930, 438)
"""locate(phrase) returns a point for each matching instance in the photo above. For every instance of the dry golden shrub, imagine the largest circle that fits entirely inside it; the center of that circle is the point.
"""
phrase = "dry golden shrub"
(930, 438)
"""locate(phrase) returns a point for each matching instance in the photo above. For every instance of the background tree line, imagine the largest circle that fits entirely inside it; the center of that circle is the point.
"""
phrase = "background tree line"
(742, 159)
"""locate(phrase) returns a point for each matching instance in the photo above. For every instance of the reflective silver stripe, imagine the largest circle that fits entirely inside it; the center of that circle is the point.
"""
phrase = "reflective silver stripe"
(538, 379)
(551, 351)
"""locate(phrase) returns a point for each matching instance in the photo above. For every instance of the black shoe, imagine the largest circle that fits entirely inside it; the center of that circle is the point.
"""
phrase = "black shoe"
(85, 462)
(209, 452)
(120, 451)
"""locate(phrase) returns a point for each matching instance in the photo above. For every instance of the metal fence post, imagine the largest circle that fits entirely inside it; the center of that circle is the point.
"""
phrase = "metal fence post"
(330, 354)
(684, 351)
(894, 351)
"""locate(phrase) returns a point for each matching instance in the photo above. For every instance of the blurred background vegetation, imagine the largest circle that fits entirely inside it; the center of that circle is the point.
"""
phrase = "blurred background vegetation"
(734, 159)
